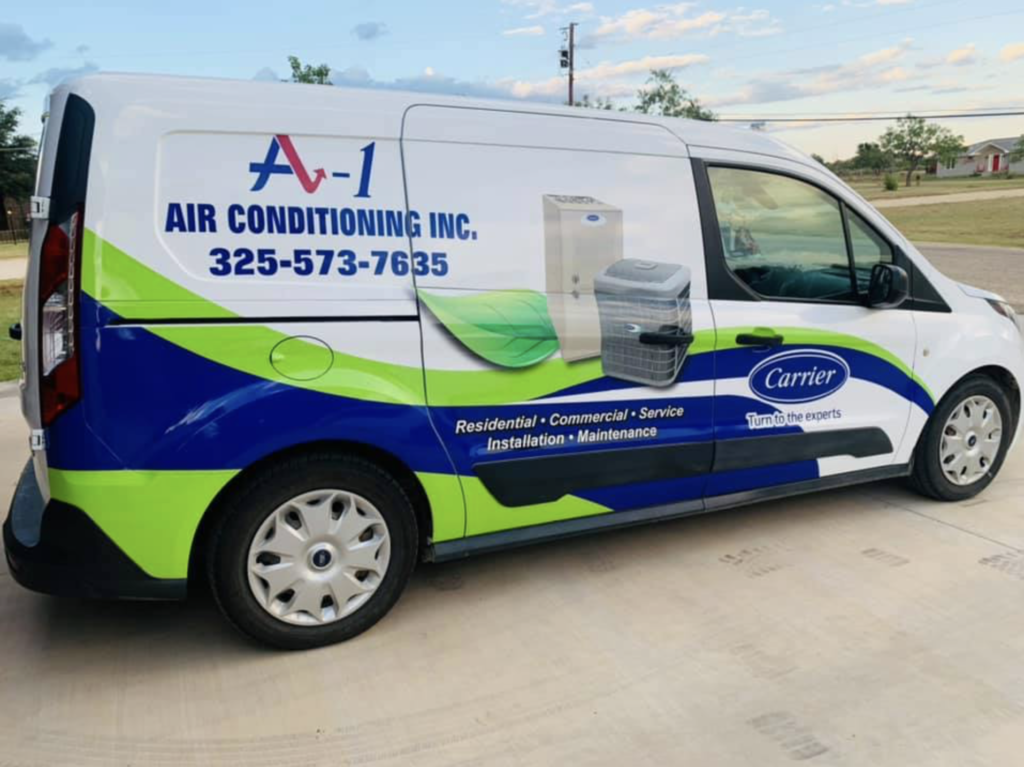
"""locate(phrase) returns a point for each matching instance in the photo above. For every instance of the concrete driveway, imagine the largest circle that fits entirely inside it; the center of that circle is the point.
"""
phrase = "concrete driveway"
(861, 627)
(13, 268)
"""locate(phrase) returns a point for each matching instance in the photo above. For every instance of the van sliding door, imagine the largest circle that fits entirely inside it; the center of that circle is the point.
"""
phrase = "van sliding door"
(559, 269)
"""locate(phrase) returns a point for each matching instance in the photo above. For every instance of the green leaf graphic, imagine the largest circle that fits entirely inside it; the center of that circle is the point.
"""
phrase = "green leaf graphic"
(510, 328)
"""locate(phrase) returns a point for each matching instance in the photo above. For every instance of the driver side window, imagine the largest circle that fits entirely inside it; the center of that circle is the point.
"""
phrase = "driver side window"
(783, 237)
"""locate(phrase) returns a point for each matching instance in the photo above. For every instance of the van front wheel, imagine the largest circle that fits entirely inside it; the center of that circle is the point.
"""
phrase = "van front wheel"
(962, 448)
(313, 551)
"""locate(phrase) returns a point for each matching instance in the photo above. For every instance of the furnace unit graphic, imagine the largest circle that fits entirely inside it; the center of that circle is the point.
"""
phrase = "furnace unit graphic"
(582, 236)
(646, 327)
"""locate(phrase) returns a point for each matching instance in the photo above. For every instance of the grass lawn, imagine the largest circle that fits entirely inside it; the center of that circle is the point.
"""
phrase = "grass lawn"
(10, 312)
(997, 222)
(7, 250)
(872, 188)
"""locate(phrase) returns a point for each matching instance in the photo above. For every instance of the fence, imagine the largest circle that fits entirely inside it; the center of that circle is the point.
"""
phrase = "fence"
(13, 236)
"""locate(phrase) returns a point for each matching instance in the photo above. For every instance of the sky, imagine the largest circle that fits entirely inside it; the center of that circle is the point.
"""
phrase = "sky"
(771, 59)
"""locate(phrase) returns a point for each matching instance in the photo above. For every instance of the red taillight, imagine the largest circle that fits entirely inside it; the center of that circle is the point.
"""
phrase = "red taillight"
(60, 387)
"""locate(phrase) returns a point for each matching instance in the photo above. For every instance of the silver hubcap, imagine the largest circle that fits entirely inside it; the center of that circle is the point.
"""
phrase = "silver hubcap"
(319, 557)
(971, 440)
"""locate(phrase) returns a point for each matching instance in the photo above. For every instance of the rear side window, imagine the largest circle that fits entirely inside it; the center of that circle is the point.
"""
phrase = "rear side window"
(784, 238)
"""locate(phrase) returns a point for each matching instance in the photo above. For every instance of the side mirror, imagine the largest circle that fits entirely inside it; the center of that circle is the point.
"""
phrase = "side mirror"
(889, 286)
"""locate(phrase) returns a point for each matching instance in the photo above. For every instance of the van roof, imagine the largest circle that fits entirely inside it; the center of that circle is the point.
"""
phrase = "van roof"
(154, 88)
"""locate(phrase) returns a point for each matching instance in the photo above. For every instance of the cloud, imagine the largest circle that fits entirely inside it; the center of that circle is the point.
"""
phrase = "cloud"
(429, 81)
(894, 75)
(57, 75)
(16, 45)
(9, 89)
(370, 30)
(669, 22)
(885, 55)
(893, 2)
(1012, 52)
(962, 56)
(267, 75)
(82, 49)
(605, 79)
(874, 69)
(537, 9)
(524, 31)
(754, 24)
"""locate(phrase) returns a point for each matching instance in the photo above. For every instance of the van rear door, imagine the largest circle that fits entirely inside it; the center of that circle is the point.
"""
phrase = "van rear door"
(50, 317)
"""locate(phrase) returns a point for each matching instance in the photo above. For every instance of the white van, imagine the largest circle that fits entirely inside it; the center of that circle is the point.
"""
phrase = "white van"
(295, 339)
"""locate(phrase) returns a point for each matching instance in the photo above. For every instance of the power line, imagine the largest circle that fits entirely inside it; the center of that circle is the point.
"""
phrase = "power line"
(863, 118)
(966, 111)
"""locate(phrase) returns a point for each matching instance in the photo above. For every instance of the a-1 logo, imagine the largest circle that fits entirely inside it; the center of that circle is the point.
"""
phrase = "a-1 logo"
(295, 167)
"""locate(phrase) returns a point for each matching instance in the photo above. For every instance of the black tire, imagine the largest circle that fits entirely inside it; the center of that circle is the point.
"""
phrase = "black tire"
(927, 476)
(251, 503)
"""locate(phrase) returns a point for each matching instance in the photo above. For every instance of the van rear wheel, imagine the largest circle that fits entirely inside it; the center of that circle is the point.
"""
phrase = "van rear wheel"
(313, 551)
(963, 446)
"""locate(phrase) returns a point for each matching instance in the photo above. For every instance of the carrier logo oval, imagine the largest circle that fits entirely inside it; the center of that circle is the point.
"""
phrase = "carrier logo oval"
(799, 376)
(593, 219)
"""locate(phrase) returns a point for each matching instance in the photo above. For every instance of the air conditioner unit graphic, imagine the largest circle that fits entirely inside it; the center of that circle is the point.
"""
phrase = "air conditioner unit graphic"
(582, 236)
(646, 327)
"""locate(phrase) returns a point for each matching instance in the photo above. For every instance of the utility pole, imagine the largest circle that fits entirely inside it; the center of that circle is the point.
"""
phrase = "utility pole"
(567, 56)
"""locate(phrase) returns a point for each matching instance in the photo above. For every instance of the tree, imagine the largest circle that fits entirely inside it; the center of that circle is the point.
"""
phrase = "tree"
(17, 163)
(598, 102)
(915, 140)
(1017, 153)
(870, 156)
(319, 75)
(667, 98)
(819, 158)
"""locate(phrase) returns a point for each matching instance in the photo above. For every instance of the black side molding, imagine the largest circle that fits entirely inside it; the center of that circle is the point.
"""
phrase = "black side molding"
(756, 452)
(541, 479)
(524, 481)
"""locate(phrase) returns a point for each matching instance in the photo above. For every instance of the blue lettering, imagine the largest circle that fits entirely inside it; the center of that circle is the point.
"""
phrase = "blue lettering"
(462, 227)
(276, 220)
(175, 218)
(268, 167)
(235, 212)
(348, 221)
(256, 219)
(207, 220)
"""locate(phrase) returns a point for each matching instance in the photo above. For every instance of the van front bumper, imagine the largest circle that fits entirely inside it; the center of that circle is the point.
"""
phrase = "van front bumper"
(55, 548)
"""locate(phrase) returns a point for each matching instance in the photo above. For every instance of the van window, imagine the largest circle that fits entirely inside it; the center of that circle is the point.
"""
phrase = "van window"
(782, 237)
(868, 249)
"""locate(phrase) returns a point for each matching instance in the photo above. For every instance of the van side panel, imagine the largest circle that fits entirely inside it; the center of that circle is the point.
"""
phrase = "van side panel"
(196, 364)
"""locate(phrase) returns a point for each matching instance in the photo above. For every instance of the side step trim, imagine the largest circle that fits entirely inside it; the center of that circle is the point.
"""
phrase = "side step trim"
(570, 528)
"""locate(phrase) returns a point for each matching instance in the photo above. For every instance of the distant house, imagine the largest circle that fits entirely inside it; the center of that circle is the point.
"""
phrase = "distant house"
(983, 158)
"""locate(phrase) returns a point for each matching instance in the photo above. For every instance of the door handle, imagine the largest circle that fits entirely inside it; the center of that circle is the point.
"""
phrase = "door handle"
(771, 339)
(666, 339)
